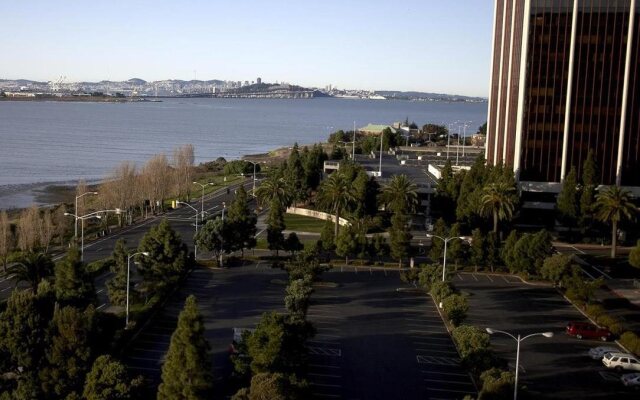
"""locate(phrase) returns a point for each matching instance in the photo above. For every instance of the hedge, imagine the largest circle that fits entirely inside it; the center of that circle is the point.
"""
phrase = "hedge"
(631, 341)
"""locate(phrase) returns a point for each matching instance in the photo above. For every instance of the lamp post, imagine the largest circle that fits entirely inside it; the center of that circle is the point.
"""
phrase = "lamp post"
(129, 257)
(202, 198)
(518, 339)
(380, 167)
(445, 240)
(353, 148)
(195, 246)
(254, 177)
(75, 210)
(87, 216)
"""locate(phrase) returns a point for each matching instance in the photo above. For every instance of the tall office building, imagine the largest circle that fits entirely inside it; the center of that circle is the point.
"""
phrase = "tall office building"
(565, 79)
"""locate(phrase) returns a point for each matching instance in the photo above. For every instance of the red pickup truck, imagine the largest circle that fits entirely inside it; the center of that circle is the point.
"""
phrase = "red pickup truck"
(587, 331)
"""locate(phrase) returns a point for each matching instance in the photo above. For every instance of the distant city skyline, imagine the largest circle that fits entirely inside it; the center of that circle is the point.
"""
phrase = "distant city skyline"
(412, 45)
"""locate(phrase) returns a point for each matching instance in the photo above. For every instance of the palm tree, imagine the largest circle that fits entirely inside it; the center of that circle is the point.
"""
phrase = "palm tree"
(498, 201)
(612, 205)
(335, 194)
(33, 268)
(400, 196)
(274, 188)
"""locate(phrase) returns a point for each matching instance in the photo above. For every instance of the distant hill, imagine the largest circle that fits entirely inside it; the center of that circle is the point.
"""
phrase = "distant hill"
(394, 94)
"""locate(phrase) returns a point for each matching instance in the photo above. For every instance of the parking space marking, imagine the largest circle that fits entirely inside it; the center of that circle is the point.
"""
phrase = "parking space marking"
(323, 366)
(438, 351)
(444, 373)
(327, 335)
(474, 277)
(425, 331)
(431, 389)
(488, 277)
(446, 381)
(437, 360)
(321, 351)
(505, 279)
(325, 375)
(324, 342)
(157, 369)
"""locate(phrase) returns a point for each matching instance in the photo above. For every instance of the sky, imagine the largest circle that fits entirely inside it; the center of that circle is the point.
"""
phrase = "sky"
(441, 46)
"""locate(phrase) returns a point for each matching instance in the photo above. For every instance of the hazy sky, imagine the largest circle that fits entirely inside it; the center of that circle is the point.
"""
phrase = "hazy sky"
(426, 45)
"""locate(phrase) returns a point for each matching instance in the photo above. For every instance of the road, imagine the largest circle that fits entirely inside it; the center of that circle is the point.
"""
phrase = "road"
(181, 219)
(557, 367)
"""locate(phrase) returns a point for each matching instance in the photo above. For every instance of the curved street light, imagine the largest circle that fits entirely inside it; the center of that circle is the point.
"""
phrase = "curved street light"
(75, 210)
(446, 240)
(202, 198)
(254, 176)
(195, 246)
(95, 214)
(518, 339)
(129, 257)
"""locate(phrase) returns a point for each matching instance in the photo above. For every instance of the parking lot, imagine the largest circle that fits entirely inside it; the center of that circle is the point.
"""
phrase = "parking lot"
(557, 367)
(228, 298)
(379, 338)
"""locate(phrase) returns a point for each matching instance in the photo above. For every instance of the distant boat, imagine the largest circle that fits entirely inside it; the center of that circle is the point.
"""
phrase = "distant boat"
(347, 96)
(377, 97)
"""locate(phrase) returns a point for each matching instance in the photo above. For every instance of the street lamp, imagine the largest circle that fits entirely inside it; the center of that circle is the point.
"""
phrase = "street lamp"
(87, 216)
(254, 176)
(75, 210)
(445, 240)
(380, 168)
(202, 198)
(195, 246)
(129, 257)
(518, 339)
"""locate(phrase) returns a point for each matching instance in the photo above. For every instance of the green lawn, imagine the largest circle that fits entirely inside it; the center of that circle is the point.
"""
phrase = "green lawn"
(301, 223)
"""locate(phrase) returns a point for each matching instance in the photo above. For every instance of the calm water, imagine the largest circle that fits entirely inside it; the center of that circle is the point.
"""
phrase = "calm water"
(57, 141)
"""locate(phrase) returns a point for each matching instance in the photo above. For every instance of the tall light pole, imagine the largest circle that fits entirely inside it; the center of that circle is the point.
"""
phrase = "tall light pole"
(353, 148)
(446, 241)
(380, 168)
(202, 198)
(458, 146)
(518, 340)
(129, 257)
(195, 246)
(254, 176)
(87, 216)
(75, 210)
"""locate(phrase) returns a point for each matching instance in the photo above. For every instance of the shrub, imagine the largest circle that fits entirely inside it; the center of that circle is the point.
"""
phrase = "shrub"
(456, 307)
(474, 347)
(429, 274)
(440, 290)
(595, 311)
(612, 323)
(496, 384)
(631, 341)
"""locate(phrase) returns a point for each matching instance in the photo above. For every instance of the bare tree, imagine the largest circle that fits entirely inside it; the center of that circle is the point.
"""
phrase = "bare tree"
(6, 239)
(156, 181)
(28, 229)
(81, 189)
(183, 159)
(62, 223)
(118, 190)
(46, 231)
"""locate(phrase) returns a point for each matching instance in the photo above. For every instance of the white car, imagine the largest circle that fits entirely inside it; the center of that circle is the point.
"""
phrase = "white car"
(632, 380)
(598, 352)
(620, 361)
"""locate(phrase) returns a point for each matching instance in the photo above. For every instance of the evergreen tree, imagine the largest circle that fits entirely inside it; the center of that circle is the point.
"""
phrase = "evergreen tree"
(73, 284)
(447, 192)
(478, 251)
(297, 297)
(568, 200)
(508, 255)
(117, 286)
(335, 194)
(327, 236)
(471, 190)
(275, 227)
(455, 248)
(588, 192)
(294, 175)
(380, 246)
(399, 238)
(109, 380)
(186, 372)
(366, 190)
(313, 164)
(492, 250)
(168, 256)
(346, 244)
(69, 357)
(292, 244)
(242, 222)
(437, 245)
(400, 196)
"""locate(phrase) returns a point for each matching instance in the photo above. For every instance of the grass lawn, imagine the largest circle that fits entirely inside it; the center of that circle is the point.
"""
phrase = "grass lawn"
(301, 223)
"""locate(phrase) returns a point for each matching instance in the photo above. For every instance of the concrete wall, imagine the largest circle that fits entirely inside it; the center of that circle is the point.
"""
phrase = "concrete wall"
(316, 214)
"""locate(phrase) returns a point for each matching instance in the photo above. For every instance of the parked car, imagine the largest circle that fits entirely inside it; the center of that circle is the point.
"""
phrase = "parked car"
(598, 352)
(620, 361)
(631, 380)
(587, 331)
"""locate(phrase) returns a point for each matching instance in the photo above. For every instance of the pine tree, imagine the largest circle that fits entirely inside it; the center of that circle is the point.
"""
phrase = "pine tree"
(492, 250)
(568, 199)
(168, 256)
(242, 222)
(294, 175)
(478, 253)
(73, 284)
(275, 227)
(346, 243)
(588, 193)
(186, 372)
(117, 286)
(399, 238)
(327, 236)
(508, 250)
(455, 248)
(109, 380)
(437, 245)
(215, 236)
(69, 357)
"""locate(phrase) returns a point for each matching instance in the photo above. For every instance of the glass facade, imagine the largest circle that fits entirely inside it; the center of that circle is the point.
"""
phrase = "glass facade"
(595, 93)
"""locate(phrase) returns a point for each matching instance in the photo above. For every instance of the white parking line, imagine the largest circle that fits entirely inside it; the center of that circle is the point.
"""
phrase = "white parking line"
(325, 375)
(101, 306)
(474, 277)
(8, 277)
(438, 351)
(445, 381)
(505, 279)
(444, 373)
(324, 366)
(324, 342)
(327, 335)
(144, 358)
(488, 277)
(153, 351)
(451, 391)
(5, 289)
(324, 384)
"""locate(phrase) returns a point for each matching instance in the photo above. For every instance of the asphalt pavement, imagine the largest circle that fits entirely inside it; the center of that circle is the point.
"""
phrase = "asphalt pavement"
(556, 367)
